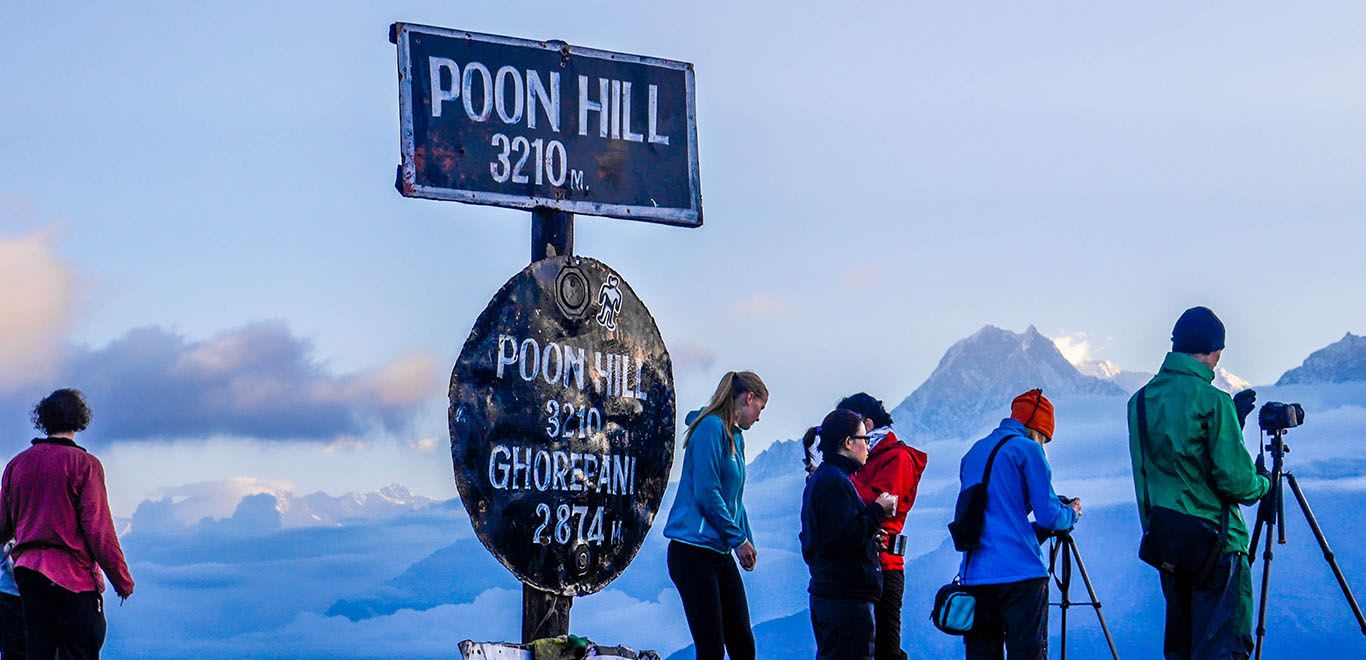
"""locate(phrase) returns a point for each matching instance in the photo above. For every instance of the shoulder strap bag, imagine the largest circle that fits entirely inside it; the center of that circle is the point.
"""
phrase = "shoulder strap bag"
(1175, 543)
(954, 606)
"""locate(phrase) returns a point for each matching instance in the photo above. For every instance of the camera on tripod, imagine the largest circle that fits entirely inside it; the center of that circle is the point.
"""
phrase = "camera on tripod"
(1276, 416)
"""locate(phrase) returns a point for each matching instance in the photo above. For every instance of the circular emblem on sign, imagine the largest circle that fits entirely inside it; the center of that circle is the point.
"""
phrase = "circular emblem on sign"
(562, 424)
(571, 291)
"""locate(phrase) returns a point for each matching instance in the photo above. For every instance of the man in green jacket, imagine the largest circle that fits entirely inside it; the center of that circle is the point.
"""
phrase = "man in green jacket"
(1195, 462)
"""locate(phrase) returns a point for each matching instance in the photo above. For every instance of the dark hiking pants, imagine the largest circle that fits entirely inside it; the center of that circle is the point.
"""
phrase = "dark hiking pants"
(1013, 616)
(714, 602)
(59, 619)
(1210, 620)
(843, 627)
(11, 627)
(887, 613)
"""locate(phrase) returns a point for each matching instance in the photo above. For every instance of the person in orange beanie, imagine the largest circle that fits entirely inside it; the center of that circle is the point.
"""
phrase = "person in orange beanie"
(1005, 569)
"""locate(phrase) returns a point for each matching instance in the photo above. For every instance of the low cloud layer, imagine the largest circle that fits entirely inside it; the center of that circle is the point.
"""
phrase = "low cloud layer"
(259, 381)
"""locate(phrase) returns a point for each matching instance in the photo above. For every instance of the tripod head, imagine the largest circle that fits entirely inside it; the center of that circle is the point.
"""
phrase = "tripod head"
(1276, 418)
(1276, 444)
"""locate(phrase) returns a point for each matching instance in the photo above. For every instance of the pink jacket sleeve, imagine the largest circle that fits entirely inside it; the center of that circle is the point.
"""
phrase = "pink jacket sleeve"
(6, 522)
(97, 523)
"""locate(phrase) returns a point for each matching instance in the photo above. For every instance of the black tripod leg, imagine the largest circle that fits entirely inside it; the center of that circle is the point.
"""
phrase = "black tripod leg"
(1091, 591)
(1266, 522)
(1257, 525)
(1065, 587)
(1327, 551)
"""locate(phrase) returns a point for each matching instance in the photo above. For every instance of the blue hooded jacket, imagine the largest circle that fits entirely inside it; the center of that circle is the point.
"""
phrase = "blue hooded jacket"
(709, 509)
(1021, 482)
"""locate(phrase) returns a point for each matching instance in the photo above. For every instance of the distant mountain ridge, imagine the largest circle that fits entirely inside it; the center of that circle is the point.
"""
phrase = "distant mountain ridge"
(979, 375)
(781, 457)
(1340, 362)
(265, 507)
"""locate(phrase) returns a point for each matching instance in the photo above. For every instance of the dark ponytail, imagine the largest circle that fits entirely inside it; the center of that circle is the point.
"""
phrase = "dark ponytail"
(833, 431)
(808, 451)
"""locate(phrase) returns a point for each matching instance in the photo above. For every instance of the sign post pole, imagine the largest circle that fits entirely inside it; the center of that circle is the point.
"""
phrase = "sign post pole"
(545, 614)
(552, 233)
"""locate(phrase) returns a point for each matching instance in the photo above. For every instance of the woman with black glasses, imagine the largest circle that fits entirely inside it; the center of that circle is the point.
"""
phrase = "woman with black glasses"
(841, 540)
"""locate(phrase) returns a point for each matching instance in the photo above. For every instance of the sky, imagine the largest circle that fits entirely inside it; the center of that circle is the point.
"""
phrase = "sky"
(198, 223)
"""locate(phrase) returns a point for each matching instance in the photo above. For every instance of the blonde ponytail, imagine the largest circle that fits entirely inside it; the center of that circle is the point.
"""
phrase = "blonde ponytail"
(732, 386)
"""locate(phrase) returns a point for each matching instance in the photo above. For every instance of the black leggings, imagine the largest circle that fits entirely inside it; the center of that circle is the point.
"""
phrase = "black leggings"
(713, 600)
(55, 618)
(887, 612)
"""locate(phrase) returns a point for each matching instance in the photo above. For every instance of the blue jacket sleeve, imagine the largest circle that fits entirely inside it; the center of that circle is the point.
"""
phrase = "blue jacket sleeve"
(1049, 513)
(709, 446)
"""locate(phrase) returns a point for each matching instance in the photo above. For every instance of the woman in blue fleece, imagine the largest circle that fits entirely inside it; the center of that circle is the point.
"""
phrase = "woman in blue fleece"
(708, 520)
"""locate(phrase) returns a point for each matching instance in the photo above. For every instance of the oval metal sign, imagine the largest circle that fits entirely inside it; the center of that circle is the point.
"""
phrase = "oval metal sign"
(562, 424)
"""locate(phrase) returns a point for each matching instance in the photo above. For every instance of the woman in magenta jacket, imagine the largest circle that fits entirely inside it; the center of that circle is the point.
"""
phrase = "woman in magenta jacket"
(54, 505)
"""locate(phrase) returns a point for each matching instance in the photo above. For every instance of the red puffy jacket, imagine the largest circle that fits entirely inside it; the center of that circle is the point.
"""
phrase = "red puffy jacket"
(893, 467)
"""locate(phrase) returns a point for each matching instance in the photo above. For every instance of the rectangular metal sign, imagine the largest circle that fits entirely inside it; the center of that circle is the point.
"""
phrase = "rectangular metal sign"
(520, 123)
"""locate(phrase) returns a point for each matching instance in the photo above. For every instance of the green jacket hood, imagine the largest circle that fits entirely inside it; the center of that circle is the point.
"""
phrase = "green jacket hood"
(1185, 364)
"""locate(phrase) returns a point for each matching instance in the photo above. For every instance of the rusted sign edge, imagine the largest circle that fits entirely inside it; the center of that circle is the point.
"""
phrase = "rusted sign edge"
(675, 216)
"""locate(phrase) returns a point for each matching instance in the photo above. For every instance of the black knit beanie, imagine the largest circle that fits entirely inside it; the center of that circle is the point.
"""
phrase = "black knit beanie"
(1198, 331)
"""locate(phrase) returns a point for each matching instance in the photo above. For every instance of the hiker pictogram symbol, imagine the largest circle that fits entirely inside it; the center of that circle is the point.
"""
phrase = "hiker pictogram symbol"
(609, 296)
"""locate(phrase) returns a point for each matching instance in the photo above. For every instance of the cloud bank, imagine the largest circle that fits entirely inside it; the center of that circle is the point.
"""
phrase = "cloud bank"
(37, 301)
(259, 381)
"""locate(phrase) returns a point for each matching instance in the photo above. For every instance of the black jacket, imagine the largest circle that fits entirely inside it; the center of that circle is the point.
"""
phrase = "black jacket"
(838, 530)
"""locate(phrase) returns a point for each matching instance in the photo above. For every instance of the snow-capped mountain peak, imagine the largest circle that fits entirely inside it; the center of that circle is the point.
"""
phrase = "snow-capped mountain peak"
(978, 376)
(1079, 354)
(1339, 362)
(1229, 381)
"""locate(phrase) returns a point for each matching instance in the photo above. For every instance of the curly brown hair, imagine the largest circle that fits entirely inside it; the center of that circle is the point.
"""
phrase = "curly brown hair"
(63, 411)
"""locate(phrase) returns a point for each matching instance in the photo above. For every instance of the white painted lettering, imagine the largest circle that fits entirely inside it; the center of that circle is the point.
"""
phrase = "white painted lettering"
(561, 469)
(552, 350)
(535, 353)
(505, 359)
(543, 470)
(653, 124)
(467, 89)
(523, 467)
(575, 473)
(590, 469)
(573, 366)
(536, 91)
(616, 109)
(626, 133)
(640, 381)
(498, 471)
(621, 466)
(500, 92)
(601, 106)
(440, 92)
(605, 476)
